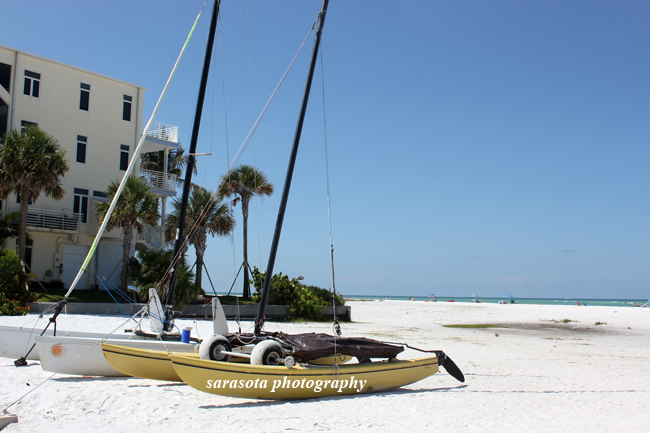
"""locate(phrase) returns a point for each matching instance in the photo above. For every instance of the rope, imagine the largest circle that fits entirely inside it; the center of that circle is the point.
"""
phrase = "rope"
(336, 327)
(129, 169)
(6, 408)
(111, 295)
(250, 75)
(236, 158)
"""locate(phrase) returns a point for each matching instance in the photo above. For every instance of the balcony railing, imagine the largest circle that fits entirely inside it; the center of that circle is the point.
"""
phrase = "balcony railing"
(163, 131)
(159, 180)
(52, 219)
(151, 235)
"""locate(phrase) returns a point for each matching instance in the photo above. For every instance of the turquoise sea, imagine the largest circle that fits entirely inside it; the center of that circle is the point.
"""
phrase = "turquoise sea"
(542, 301)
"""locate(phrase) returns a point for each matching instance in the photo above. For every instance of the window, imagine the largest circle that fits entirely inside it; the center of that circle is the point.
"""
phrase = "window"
(24, 124)
(81, 149)
(84, 99)
(32, 83)
(80, 205)
(5, 75)
(29, 246)
(4, 117)
(126, 108)
(30, 201)
(124, 157)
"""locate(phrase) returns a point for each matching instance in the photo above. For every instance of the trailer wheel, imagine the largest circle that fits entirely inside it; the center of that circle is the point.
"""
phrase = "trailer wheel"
(268, 352)
(212, 348)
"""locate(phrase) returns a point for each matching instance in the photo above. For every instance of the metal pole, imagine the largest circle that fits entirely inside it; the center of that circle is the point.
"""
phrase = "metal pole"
(259, 318)
(190, 166)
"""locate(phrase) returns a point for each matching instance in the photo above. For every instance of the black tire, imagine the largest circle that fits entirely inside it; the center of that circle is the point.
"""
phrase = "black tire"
(267, 352)
(213, 347)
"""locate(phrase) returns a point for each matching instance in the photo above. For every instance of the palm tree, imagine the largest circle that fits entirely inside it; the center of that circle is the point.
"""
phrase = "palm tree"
(206, 214)
(149, 269)
(136, 206)
(31, 162)
(176, 162)
(245, 182)
(7, 227)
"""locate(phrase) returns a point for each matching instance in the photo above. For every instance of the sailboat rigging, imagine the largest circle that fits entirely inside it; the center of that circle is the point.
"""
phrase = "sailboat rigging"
(15, 340)
(180, 239)
(235, 364)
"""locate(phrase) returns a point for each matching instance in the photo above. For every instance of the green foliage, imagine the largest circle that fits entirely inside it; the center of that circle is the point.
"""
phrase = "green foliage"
(137, 205)
(8, 226)
(205, 215)
(13, 295)
(304, 302)
(31, 162)
(244, 183)
(326, 295)
(479, 326)
(148, 269)
(176, 163)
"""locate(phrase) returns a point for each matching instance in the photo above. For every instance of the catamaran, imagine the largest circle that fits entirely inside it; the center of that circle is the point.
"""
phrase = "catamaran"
(276, 365)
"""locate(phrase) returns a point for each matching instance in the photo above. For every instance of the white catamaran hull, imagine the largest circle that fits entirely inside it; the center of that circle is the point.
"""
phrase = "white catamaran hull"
(84, 356)
(16, 341)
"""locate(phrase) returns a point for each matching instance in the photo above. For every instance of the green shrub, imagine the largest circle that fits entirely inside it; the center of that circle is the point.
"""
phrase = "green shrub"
(304, 302)
(326, 295)
(149, 268)
(13, 295)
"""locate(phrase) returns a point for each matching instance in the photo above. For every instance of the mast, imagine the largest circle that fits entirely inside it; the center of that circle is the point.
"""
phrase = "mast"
(259, 317)
(190, 167)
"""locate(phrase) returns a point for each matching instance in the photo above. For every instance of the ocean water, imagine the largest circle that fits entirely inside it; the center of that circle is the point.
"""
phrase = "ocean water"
(540, 301)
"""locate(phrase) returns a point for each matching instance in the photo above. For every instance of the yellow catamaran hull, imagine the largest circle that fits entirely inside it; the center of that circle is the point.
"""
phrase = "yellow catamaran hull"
(157, 365)
(147, 364)
(300, 381)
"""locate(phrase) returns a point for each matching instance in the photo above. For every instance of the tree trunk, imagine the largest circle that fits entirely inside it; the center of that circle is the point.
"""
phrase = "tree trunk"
(199, 247)
(22, 223)
(244, 210)
(126, 247)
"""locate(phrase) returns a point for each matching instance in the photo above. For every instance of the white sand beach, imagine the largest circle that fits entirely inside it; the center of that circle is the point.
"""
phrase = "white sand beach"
(533, 374)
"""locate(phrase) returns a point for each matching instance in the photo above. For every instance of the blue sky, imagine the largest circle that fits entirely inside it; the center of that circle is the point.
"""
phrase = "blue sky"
(484, 147)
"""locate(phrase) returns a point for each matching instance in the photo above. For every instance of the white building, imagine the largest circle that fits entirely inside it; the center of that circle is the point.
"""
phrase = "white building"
(98, 121)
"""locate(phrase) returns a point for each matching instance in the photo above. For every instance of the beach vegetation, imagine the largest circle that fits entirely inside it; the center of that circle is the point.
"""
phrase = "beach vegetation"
(560, 321)
(149, 269)
(31, 162)
(8, 226)
(13, 285)
(304, 302)
(136, 207)
(600, 323)
(477, 326)
(244, 183)
(205, 215)
(56, 295)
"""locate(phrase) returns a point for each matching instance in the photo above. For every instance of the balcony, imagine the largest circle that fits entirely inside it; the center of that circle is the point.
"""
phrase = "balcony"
(160, 137)
(161, 183)
(52, 220)
(151, 236)
(162, 131)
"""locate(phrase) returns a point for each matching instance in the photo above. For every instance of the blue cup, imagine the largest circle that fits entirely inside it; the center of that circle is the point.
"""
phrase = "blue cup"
(185, 335)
